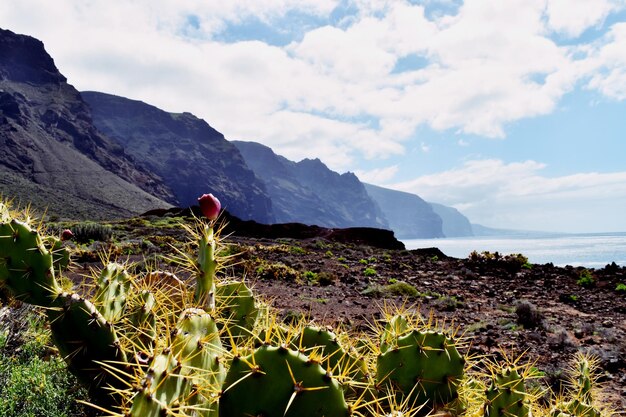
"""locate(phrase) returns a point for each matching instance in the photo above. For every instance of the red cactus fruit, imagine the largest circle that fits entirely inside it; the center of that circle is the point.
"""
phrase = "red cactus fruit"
(210, 206)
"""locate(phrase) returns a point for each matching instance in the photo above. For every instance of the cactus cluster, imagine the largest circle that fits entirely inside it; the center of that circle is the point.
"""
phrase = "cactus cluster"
(154, 345)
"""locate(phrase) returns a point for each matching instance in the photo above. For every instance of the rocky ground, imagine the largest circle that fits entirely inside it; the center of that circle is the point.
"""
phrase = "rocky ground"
(502, 305)
(540, 310)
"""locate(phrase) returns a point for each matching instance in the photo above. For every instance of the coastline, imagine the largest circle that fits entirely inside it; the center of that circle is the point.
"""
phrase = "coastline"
(590, 250)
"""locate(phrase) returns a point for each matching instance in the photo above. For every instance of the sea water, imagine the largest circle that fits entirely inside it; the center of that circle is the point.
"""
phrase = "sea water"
(588, 250)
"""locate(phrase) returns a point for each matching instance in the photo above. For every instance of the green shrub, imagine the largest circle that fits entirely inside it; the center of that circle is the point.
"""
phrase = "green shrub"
(34, 381)
(88, 231)
(363, 261)
(397, 289)
(528, 315)
(277, 271)
(620, 287)
(310, 276)
(586, 279)
(369, 272)
(326, 278)
(297, 250)
(448, 303)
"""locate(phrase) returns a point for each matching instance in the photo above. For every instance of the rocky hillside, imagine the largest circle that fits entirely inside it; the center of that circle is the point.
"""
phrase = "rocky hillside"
(408, 215)
(190, 156)
(50, 152)
(309, 192)
(454, 223)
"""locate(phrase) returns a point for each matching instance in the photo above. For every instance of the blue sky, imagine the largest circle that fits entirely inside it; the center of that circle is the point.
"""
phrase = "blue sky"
(512, 111)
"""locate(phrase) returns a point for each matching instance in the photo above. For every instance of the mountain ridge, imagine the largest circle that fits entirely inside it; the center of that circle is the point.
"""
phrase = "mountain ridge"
(191, 156)
(49, 145)
(309, 192)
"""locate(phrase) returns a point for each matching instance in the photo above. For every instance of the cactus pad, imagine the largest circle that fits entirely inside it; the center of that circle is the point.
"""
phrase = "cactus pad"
(235, 303)
(279, 382)
(26, 267)
(506, 397)
(424, 367)
(111, 291)
(86, 341)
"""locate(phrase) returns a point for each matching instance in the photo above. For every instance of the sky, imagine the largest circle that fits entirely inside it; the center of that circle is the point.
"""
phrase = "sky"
(513, 112)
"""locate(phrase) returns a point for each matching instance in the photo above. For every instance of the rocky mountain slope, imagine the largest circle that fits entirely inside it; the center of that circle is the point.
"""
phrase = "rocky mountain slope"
(190, 156)
(408, 215)
(51, 154)
(308, 192)
(454, 223)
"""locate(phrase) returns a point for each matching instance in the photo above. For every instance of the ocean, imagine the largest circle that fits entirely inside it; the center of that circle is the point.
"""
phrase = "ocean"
(593, 250)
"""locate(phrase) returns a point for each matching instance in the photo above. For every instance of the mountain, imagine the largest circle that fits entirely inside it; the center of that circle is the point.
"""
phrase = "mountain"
(454, 223)
(190, 156)
(51, 154)
(408, 215)
(309, 192)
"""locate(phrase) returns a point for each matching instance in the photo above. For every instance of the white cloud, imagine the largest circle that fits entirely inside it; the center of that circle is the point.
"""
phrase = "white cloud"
(573, 17)
(378, 176)
(610, 64)
(334, 93)
(517, 195)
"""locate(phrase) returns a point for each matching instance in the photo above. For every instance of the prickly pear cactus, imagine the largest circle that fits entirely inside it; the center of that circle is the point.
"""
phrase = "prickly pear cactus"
(394, 328)
(206, 266)
(87, 342)
(60, 254)
(162, 391)
(5, 216)
(26, 266)
(423, 367)
(111, 291)
(582, 382)
(574, 408)
(186, 377)
(237, 307)
(280, 382)
(506, 397)
(198, 348)
(141, 331)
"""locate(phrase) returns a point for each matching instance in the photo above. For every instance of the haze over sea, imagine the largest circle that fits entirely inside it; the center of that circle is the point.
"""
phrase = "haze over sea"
(592, 250)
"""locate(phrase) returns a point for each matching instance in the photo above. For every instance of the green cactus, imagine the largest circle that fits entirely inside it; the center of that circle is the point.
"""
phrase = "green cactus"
(506, 396)
(162, 391)
(142, 330)
(342, 361)
(87, 342)
(5, 216)
(394, 328)
(574, 408)
(111, 291)
(237, 306)
(26, 266)
(280, 382)
(583, 387)
(198, 348)
(207, 265)
(60, 254)
(186, 377)
(423, 367)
